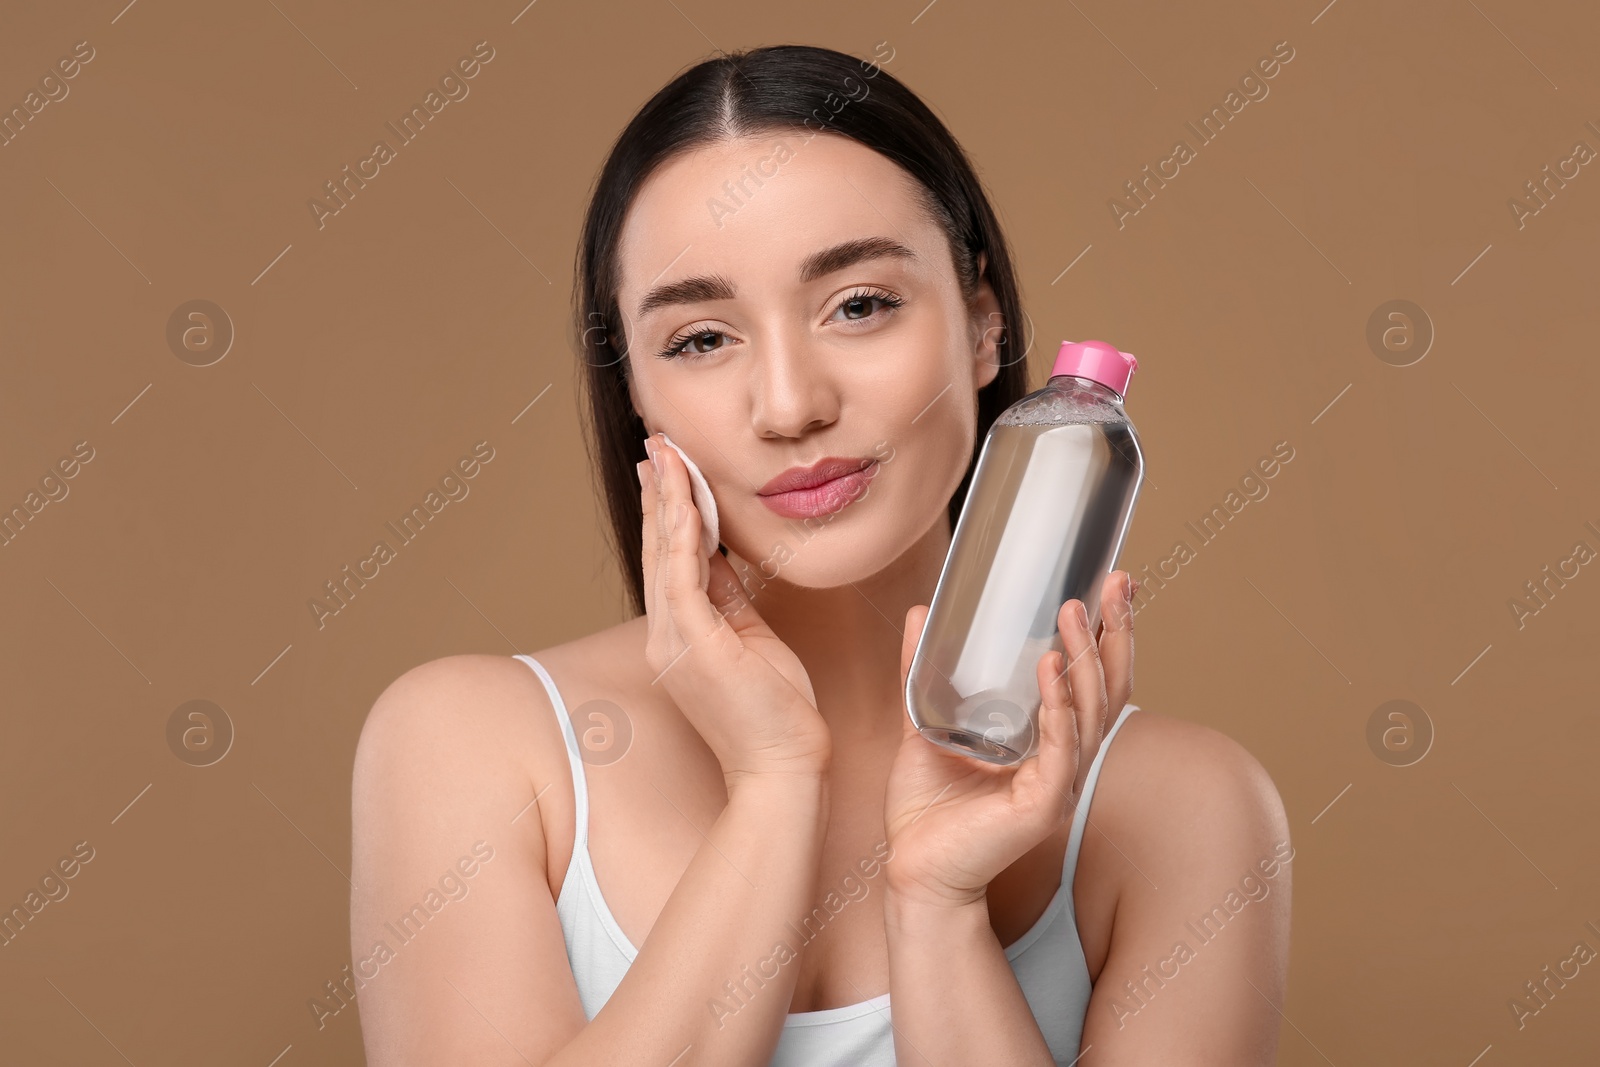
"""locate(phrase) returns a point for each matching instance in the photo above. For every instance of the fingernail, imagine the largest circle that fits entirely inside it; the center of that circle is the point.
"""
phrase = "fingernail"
(1083, 615)
(677, 516)
(651, 447)
(1127, 587)
(638, 468)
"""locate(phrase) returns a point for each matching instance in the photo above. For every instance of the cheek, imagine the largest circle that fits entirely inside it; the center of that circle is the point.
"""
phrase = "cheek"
(911, 393)
(924, 408)
(928, 446)
(943, 446)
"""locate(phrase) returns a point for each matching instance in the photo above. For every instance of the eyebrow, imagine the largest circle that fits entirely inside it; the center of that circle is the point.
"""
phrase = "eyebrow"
(817, 265)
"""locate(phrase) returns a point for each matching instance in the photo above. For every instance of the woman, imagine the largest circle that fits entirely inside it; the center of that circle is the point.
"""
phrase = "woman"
(787, 258)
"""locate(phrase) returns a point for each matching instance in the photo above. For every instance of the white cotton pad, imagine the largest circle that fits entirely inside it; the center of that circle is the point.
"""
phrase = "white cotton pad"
(701, 492)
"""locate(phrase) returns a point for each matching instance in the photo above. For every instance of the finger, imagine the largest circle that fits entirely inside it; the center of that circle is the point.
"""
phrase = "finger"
(664, 500)
(1116, 641)
(689, 607)
(915, 618)
(1059, 751)
(1085, 680)
(655, 535)
(647, 533)
(729, 595)
(663, 511)
(661, 642)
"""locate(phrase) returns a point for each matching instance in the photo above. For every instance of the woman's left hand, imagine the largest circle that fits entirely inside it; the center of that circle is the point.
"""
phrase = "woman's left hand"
(954, 822)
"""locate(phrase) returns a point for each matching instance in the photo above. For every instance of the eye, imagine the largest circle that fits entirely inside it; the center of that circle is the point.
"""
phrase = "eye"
(680, 344)
(696, 343)
(862, 302)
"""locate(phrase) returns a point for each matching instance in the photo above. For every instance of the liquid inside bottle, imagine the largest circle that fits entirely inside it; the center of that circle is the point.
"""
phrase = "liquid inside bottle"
(1046, 514)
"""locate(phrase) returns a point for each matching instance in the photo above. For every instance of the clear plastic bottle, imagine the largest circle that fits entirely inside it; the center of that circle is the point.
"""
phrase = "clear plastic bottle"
(1044, 519)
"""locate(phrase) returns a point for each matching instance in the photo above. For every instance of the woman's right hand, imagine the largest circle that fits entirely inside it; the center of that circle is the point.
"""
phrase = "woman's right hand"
(742, 688)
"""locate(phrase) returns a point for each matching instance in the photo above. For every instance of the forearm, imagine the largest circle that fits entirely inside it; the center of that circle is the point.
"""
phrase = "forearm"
(709, 978)
(955, 996)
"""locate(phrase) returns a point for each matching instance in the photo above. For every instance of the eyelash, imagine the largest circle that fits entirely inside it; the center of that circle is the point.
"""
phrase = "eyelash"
(675, 346)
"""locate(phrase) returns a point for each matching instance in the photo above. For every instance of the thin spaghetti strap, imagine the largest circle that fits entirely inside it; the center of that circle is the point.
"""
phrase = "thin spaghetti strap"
(580, 786)
(1080, 817)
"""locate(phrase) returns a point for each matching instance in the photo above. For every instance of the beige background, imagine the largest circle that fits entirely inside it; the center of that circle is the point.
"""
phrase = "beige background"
(369, 355)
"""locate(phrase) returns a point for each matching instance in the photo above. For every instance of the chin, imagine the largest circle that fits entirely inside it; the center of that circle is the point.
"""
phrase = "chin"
(831, 551)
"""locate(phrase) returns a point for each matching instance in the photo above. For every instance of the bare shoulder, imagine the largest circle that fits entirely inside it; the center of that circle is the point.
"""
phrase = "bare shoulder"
(451, 685)
(1164, 778)
(449, 753)
(1193, 839)
(462, 732)
(445, 833)
(475, 709)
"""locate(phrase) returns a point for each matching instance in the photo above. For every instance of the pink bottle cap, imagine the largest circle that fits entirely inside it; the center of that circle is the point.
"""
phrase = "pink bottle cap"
(1097, 361)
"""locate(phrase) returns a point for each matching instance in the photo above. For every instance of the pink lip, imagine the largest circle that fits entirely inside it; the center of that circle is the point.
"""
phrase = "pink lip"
(823, 470)
(821, 489)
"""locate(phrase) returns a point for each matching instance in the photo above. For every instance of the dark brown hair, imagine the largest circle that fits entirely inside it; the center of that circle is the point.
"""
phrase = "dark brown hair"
(749, 92)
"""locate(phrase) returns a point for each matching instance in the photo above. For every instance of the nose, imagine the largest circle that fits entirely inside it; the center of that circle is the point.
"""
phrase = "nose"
(793, 391)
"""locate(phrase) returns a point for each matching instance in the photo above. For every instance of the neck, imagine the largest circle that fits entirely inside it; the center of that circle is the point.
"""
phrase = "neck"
(849, 637)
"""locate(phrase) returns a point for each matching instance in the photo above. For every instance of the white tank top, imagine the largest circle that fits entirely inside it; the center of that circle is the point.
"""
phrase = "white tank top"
(1047, 960)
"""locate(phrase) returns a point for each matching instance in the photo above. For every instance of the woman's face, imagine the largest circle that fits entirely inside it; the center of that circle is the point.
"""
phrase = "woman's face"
(788, 349)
